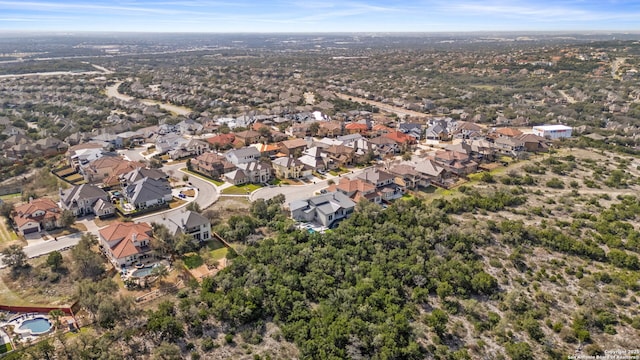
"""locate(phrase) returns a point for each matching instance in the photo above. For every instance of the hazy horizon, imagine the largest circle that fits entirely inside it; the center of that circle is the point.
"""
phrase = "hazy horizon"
(274, 16)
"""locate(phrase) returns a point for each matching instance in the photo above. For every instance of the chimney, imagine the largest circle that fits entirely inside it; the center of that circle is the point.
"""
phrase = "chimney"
(134, 237)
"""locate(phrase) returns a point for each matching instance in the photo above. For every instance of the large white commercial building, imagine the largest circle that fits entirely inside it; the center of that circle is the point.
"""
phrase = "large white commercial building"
(553, 131)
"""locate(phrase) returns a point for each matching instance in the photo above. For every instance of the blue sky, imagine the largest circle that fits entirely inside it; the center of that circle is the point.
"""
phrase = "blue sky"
(318, 16)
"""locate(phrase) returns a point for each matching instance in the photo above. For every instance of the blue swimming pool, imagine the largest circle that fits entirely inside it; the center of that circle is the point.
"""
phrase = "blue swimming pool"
(145, 271)
(36, 326)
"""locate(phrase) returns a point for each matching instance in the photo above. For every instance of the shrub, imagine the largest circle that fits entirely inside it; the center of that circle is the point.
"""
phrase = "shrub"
(555, 183)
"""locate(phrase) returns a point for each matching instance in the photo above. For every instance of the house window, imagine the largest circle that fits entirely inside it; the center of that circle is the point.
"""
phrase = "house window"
(330, 217)
(205, 235)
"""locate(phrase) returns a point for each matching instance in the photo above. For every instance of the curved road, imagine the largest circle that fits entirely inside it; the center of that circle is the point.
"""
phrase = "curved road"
(298, 192)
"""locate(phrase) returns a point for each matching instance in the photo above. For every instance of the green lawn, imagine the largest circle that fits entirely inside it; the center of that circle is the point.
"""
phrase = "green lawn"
(6, 233)
(10, 196)
(241, 189)
(217, 182)
(5, 348)
(219, 254)
(192, 261)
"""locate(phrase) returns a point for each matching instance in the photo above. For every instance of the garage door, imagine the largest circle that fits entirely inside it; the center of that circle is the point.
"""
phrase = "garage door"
(30, 230)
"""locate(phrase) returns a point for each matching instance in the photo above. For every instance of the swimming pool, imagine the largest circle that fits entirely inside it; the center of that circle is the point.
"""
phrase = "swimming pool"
(36, 326)
(145, 271)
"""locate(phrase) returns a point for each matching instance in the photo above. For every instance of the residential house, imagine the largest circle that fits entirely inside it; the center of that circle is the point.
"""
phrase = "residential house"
(356, 128)
(383, 146)
(455, 162)
(242, 156)
(107, 169)
(142, 173)
(432, 172)
(340, 155)
(509, 146)
(405, 142)
(330, 129)
(356, 189)
(191, 147)
(467, 130)
(17, 139)
(384, 183)
(248, 137)
(314, 158)
(437, 131)
(293, 147)
(168, 142)
(127, 243)
(412, 129)
(147, 193)
(189, 223)
(533, 143)
(288, 168)
(87, 199)
(508, 132)
(50, 146)
(189, 126)
(267, 150)
(211, 164)
(37, 215)
(253, 172)
(407, 177)
(326, 209)
(222, 141)
(298, 130)
(82, 154)
(379, 129)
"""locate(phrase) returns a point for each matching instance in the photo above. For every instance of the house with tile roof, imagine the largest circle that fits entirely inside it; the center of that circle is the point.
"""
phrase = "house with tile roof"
(222, 141)
(404, 141)
(107, 169)
(127, 243)
(84, 200)
(37, 215)
(356, 189)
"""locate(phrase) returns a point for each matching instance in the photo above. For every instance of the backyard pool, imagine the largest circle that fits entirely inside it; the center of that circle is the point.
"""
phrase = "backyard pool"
(145, 271)
(37, 326)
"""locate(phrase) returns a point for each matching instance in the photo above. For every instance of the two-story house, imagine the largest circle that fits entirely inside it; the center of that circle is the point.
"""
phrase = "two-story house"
(190, 223)
(87, 199)
(288, 168)
(384, 183)
(126, 243)
(37, 215)
(211, 164)
(326, 209)
(243, 155)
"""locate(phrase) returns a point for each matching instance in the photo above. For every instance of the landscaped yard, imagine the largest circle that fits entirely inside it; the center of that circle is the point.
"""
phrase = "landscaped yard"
(241, 189)
(74, 178)
(192, 261)
(218, 250)
(10, 196)
(7, 235)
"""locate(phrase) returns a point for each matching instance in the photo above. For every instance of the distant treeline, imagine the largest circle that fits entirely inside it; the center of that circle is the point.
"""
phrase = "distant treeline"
(44, 66)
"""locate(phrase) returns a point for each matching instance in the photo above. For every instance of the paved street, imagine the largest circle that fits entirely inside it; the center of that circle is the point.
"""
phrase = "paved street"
(297, 192)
